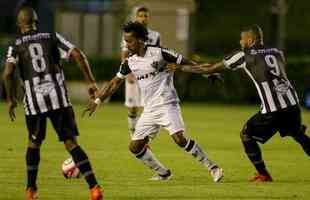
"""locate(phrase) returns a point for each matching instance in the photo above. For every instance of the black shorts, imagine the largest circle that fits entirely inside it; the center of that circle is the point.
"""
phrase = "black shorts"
(62, 119)
(262, 127)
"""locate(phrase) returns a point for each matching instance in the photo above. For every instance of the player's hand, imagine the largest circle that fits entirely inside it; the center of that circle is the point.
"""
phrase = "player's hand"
(12, 105)
(90, 108)
(172, 67)
(131, 78)
(216, 77)
(93, 91)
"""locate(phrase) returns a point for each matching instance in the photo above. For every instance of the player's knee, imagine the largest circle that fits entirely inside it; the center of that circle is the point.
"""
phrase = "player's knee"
(179, 139)
(244, 136)
(136, 147)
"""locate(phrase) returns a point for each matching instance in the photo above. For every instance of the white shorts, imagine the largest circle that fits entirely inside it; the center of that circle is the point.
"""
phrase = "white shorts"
(167, 116)
(132, 95)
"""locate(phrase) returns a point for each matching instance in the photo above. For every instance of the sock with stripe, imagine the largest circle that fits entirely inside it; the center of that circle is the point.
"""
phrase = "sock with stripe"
(149, 159)
(81, 160)
(197, 152)
(32, 161)
(255, 155)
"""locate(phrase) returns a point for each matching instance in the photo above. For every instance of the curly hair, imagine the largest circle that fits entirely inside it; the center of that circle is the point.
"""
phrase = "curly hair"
(138, 30)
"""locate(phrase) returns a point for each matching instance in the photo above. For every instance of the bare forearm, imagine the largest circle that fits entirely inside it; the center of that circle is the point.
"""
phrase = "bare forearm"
(205, 68)
(9, 83)
(108, 90)
(10, 89)
(82, 62)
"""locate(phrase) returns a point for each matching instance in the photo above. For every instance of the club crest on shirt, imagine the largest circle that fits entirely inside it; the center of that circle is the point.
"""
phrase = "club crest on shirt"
(159, 65)
(44, 88)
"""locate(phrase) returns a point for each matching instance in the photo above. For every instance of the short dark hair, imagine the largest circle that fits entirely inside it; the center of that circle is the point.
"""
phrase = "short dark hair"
(142, 9)
(257, 32)
(137, 29)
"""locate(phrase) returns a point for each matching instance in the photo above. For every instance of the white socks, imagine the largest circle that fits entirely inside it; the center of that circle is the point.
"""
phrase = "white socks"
(197, 152)
(149, 159)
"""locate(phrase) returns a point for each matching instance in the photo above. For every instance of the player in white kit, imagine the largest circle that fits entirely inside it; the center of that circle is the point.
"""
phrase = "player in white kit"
(161, 103)
(133, 98)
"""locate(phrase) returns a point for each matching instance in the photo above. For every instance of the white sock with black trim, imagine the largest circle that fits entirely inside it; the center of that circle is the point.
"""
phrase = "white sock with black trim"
(197, 152)
(149, 159)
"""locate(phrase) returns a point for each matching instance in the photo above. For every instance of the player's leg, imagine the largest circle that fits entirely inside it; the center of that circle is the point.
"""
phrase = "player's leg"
(193, 148)
(172, 121)
(258, 128)
(36, 125)
(146, 127)
(291, 124)
(133, 103)
(64, 123)
(303, 139)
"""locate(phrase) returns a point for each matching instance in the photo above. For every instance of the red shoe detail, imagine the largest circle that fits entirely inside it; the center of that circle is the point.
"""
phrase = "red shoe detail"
(96, 193)
(31, 194)
(261, 178)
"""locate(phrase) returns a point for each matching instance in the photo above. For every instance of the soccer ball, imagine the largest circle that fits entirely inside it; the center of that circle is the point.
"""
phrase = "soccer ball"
(69, 169)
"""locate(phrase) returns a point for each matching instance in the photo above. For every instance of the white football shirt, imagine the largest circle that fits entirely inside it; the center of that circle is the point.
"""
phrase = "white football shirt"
(155, 82)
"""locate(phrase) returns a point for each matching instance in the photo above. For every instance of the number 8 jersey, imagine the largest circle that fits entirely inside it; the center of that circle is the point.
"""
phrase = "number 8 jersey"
(37, 55)
(266, 68)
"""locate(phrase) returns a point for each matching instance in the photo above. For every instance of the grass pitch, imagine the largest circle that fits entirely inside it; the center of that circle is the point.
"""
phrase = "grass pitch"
(105, 138)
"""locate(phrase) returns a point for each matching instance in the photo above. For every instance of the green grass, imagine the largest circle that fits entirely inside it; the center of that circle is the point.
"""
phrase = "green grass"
(105, 138)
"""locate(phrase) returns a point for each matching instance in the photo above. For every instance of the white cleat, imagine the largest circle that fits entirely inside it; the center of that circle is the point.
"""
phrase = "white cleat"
(158, 177)
(217, 173)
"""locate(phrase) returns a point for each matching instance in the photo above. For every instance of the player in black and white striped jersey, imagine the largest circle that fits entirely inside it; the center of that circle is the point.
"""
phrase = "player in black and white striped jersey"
(133, 98)
(274, 88)
(37, 56)
(280, 109)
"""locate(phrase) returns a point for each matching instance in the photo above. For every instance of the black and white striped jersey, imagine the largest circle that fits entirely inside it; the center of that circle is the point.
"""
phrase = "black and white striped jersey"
(153, 39)
(37, 55)
(266, 68)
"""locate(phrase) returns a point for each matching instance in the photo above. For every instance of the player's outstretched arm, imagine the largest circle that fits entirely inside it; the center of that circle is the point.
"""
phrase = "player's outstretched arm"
(10, 88)
(204, 68)
(82, 61)
(103, 94)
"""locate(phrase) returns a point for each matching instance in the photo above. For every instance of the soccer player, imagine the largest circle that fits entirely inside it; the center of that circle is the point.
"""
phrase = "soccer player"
(133, 98)
(37, 56)
(161, 103)
(279, 112)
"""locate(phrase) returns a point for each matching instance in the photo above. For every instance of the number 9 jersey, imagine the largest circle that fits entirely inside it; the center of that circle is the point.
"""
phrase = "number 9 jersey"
(37, 55)
(266, 68)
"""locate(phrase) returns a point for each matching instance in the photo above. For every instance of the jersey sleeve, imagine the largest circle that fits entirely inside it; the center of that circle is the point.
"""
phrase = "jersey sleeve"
(123, 70)
(12, 56)
(171, 56)
(64, 45)
(235, 61)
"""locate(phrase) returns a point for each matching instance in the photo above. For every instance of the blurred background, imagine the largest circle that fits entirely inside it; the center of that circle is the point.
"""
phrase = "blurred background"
(204, 30)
